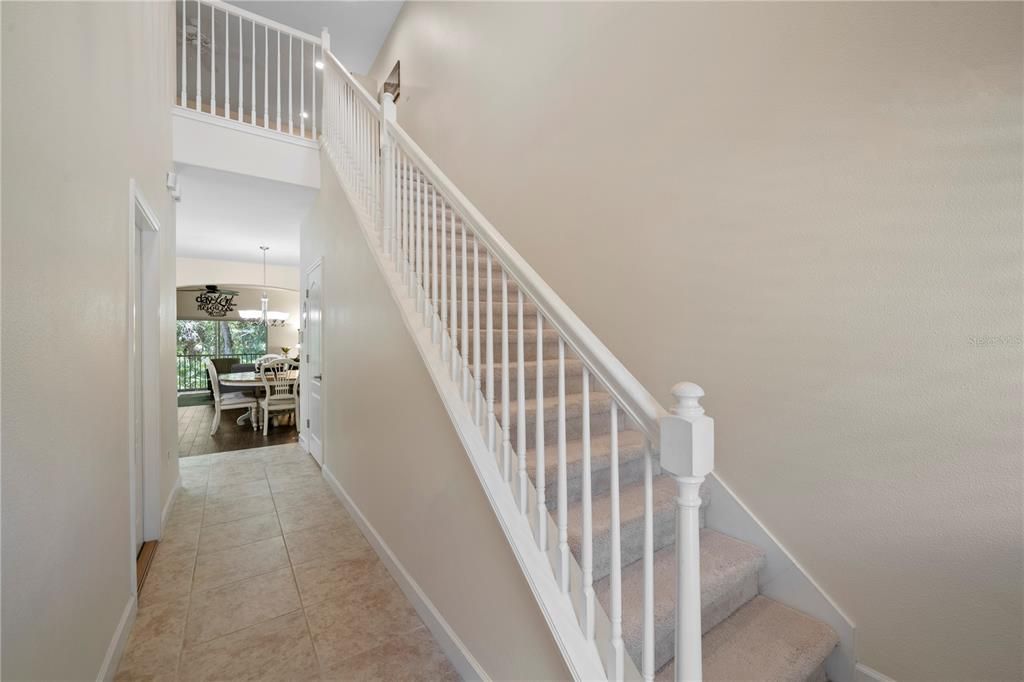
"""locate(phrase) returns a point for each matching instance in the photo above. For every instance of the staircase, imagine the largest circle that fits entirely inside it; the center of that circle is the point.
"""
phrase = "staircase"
(605, 483)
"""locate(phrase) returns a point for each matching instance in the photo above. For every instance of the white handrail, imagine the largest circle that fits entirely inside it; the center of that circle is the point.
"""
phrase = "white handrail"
(265, 21)
(638, 403)
(395, 186)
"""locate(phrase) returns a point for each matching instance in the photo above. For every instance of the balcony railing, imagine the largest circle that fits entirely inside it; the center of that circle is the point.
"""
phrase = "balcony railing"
(192, 368)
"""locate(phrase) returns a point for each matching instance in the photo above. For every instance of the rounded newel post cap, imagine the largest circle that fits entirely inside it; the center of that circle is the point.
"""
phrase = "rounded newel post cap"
(687, 395)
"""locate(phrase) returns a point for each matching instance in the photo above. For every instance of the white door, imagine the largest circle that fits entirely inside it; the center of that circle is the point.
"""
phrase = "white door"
(139, 354)
(313, 306)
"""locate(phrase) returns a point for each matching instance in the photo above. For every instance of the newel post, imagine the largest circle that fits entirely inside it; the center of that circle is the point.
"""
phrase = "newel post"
(325, 41)
(388, 113)
(688, 453)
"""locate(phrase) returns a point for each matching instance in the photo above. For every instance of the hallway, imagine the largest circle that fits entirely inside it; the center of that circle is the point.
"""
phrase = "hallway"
(263, 575)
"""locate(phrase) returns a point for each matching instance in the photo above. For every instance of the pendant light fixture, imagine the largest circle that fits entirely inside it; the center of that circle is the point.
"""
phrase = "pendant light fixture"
(271, 318)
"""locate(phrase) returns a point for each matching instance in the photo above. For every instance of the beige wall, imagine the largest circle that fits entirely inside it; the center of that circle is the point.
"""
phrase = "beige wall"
(813, 210)
(86, 91)
(392, 446)
(199, 271)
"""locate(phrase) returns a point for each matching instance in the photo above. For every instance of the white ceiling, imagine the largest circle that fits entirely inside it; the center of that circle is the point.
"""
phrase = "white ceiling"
(357, 29)
(227, 216)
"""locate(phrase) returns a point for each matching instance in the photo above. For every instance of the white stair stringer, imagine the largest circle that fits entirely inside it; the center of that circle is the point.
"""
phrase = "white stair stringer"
(583, 658)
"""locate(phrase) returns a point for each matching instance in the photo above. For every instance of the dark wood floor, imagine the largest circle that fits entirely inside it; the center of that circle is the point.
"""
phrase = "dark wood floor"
(194, 432)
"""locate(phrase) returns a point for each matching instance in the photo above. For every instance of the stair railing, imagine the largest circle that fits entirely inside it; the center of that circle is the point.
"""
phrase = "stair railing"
(437, 241)
(269, 74)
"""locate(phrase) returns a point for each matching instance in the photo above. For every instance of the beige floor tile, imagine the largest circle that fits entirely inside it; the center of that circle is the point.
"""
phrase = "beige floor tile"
(229, 491)
(229, 565)
(331, 578)
(410, 657)
(302, 498)
(278, 649)
(192, 462)
(236, 606)
(293, 467)
(236, 472)
(237, 533)
(155, 641)
(347, 626)
(342, 541)
(312, 480)
(238, 508)
(194, 478)
(169, 578)
(192, 519)
(180, 536)
(310, 516)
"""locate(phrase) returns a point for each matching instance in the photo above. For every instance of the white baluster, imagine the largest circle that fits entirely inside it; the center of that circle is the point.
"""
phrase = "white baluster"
(453, 315)
(444, 284)
(618, 660)
(421, 212)
(542, 512)
(277, 82)
(213, 66)
(241, 73)
(312, 89)
(465, 317)
(688, 453)
(563, 492)
(521, 401)
(433, 269)
(252, 92)
(266, 76)
(490, 357)
(291, 115)
(588, 517)
(477, 395)
(302, 88)
(184, 47)
(199, 60)
(506, 430)
(647, 664)
(227, 64)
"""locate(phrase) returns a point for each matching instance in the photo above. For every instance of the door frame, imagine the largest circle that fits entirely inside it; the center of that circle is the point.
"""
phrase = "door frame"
(148, 231)
(304, 438)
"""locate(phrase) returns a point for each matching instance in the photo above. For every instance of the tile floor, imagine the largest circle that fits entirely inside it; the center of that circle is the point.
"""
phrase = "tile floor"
(262, 575)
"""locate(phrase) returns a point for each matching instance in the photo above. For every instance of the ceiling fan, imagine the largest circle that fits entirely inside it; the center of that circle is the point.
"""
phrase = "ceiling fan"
(213, 300)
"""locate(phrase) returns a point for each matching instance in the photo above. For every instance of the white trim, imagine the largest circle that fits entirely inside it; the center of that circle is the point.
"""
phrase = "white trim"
(580, 656)
(783, 578)
(865, 674)
(146, 237)
(169, 504)
(467, 666)
(271, 134)
(305, 441)
(116, 647)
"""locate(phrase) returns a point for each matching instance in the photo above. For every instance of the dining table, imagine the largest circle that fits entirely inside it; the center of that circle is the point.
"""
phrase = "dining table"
(250, 380)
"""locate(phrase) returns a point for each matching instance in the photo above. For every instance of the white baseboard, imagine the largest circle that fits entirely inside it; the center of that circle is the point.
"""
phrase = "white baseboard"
(169, 504)
(302, 442)
(454, 648)
(117, 642)
(865, 674)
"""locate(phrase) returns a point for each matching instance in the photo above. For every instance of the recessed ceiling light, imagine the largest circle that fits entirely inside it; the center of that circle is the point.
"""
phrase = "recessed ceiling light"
(319, 64)
(305, 115)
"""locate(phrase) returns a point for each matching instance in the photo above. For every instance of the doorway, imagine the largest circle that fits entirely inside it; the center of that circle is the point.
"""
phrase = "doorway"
(312, 309)
(143, 373)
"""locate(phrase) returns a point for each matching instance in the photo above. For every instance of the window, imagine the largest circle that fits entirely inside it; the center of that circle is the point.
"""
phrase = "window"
(221, 337)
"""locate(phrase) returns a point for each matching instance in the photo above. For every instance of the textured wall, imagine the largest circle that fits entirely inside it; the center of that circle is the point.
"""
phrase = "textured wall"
(86, 92)
(813, 210)
(390, 443)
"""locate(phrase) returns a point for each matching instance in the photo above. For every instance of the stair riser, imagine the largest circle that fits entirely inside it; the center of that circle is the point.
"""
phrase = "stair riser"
(711, 614)
(631, 541)
(630, 471)
(550, 348)
(599, 425)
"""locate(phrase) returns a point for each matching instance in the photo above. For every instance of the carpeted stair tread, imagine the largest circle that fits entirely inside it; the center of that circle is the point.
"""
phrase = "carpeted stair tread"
(764, 640)
(728, 579)
(631, 446)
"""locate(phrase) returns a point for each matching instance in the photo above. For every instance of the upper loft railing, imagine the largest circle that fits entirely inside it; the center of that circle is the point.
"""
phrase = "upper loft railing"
(245, 68)
(438, 243)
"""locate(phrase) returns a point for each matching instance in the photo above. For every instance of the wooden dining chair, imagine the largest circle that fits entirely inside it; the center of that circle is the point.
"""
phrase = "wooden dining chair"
(233, 400)
(281, 388)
